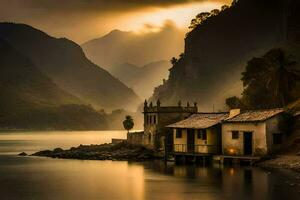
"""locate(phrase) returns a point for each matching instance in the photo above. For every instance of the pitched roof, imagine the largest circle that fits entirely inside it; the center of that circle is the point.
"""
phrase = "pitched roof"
(255, 115)
(200, 121)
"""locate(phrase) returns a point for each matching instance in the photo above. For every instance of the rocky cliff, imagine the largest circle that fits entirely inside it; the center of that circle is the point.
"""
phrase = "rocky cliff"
(216, 51)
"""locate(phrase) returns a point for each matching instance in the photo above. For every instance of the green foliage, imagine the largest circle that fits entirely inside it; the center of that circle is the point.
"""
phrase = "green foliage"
(270, 80)
(128, 123)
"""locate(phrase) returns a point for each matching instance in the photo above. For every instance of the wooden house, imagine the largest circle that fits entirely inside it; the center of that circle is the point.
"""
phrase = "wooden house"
(198, 134)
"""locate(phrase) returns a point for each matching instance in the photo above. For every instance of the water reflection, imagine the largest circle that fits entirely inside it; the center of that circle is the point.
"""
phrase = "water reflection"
(218, 182)
(29, 178)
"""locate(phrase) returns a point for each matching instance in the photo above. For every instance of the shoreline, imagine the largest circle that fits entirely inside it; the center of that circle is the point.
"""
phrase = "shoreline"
(286, 162)
(122, 151)
(125, 151)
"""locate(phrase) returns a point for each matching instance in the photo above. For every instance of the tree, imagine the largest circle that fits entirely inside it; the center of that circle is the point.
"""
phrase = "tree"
(234, 102)
(215, 12)
(269, 81)
(128, 123)
(283, 76)
(174, 61)
(200, 18)
(225, 7)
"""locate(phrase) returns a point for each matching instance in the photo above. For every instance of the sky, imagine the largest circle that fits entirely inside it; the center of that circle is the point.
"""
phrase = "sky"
(82, 20)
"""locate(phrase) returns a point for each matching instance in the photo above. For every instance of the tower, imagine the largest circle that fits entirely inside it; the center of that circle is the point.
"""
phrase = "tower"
(157, 117)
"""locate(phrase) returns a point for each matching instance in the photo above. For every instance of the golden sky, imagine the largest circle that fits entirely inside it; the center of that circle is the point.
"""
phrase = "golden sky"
(81, 20)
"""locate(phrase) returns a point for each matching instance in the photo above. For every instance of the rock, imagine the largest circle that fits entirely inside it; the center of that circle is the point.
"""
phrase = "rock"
(120, 151)
(22, 154)
(58, 150)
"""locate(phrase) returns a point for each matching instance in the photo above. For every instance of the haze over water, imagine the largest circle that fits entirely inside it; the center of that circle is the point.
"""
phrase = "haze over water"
(44, 178)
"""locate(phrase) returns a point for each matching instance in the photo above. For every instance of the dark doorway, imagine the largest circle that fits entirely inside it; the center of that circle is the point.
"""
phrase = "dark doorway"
(247, 143)
(190, 140)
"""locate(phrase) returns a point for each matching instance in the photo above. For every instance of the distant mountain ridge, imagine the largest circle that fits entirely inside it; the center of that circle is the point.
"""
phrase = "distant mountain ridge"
(119, 47)
(143, 79)
(64, 62)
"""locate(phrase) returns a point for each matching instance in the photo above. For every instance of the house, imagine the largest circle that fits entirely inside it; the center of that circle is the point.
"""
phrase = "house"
(198, 134)
(252, 133)
(156, 118)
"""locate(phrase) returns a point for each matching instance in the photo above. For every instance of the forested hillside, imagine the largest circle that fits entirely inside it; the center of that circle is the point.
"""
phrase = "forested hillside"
(64, 62)
(30, 100)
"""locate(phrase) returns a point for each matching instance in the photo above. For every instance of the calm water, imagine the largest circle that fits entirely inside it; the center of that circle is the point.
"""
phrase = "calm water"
(33, 178)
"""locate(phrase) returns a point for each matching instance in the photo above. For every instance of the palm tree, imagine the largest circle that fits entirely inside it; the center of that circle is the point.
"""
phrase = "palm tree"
(174, 61)
(128, 123)
(282, 77)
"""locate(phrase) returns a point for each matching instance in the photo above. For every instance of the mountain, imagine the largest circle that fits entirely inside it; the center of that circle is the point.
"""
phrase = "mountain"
(64, 62)
(216, 51)
(118, 47)
(30, 100)
(142, 79)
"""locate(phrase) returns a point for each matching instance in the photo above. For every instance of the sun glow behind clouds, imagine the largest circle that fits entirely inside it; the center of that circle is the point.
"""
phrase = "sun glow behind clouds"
(152, 19)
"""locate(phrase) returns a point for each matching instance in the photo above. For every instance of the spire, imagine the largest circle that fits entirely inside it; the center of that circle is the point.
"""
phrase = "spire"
(151, 104)
(179, 103)
(195, 104)
(145, 103)
(158, 103)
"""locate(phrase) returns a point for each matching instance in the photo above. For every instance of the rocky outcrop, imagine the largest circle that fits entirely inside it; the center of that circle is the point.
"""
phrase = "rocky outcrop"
(120, 151)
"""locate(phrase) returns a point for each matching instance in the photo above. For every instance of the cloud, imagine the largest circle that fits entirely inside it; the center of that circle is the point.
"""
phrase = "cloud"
(80, 20)
(56, 6)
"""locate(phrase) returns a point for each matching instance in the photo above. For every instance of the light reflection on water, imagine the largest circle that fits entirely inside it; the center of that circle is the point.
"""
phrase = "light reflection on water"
(30, 142)
(29, 178)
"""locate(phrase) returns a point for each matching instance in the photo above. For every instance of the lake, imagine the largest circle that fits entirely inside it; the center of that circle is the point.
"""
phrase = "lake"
(34, 178)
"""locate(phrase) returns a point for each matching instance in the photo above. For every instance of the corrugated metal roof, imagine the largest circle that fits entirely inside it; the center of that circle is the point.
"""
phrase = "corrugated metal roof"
(200, 121)
(255, 115)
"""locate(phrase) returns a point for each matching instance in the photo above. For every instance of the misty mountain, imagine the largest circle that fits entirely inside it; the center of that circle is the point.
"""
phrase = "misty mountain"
(142, 79)
(118, 47)
(217, 50)
(64, 62)
(30, 100)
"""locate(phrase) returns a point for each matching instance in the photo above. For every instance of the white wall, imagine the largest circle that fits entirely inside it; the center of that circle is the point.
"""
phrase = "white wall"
(259, 138)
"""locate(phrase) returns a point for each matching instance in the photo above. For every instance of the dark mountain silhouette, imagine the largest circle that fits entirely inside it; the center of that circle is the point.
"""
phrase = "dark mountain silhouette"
(64, 62)
(142, 79)
(216, 51)
(30, 100)
(118, 47)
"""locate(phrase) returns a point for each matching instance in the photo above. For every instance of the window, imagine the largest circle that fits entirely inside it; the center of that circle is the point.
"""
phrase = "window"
(178, 133)
(201, 134)
(147, 119)
(235, 135)
(277, 138)
(154, 119)
(150, 119)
